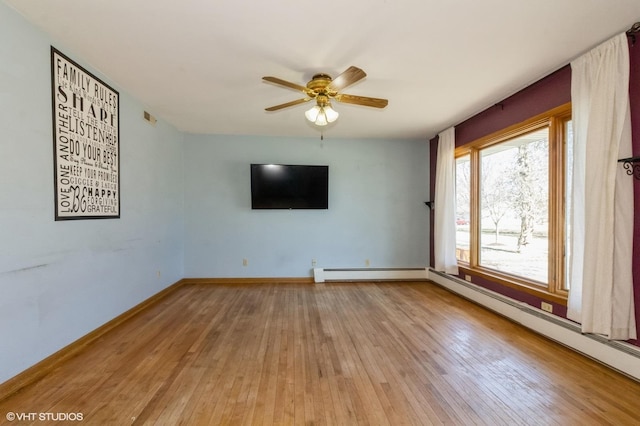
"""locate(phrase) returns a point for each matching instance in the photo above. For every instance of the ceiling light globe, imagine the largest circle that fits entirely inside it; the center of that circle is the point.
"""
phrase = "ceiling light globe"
(331, 114)
(322, 118)
(312, 114)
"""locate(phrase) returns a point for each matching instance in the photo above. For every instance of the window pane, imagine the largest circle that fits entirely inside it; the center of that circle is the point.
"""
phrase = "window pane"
(514, 199)
(463, 206)
(568, 137)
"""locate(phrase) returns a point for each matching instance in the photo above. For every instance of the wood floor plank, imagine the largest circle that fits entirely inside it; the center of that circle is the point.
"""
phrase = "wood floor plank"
(330, 354)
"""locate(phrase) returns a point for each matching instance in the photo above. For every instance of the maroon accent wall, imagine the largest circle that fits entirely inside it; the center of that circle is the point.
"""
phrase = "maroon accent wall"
(547, 93)
(552, 91)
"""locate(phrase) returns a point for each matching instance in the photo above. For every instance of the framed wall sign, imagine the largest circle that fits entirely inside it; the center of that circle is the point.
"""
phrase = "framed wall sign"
(86, 142)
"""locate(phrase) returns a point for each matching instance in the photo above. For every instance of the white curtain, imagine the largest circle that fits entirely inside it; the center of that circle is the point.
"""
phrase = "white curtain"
(445, 205)
(601, 294)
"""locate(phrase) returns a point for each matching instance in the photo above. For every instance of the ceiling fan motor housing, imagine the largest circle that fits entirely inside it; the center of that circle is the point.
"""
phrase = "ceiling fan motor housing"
(319, 82)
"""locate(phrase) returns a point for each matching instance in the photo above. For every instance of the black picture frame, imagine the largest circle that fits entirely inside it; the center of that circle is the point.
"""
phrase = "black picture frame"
(86, 142)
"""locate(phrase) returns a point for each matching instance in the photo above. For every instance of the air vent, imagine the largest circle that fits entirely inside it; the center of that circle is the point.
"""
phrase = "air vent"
(150, 118)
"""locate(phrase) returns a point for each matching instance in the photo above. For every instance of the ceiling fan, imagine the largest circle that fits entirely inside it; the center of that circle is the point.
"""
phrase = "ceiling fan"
(323, 89)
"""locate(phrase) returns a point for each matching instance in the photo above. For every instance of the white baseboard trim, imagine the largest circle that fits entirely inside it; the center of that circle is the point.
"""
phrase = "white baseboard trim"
(321, 275)
(620, 356)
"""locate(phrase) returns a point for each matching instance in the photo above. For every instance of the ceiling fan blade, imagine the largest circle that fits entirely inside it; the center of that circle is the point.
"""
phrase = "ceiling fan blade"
(347, 78)
(361, 100)
(285, 83)
(288, 104)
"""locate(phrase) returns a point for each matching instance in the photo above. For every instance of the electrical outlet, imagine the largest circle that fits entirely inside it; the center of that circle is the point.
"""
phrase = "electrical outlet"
(367, 262)
(159, 274)
(467, 278)
(245, 262)
(313, 263)
(546, 307)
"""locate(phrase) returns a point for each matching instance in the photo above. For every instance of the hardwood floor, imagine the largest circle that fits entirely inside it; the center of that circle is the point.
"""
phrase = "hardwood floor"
(344, 354)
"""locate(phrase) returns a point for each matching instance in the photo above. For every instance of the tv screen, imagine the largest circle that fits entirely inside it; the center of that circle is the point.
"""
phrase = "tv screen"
(280, 186)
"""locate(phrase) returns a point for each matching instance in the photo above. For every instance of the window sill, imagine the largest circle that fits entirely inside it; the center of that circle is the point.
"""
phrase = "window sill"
(515, 283)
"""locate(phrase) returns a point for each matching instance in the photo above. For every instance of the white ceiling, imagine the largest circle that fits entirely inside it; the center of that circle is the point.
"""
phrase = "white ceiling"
(198, 63)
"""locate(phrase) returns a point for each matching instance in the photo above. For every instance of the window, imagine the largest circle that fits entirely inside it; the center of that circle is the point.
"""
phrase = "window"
(463, 207)
(568, 140)
(510, 195)
(514, 205)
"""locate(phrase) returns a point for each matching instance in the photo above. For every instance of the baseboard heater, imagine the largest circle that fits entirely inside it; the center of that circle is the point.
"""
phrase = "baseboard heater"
(321, 275)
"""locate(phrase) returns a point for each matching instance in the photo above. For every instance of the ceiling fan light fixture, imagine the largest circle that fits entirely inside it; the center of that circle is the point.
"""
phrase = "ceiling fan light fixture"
(321, 115)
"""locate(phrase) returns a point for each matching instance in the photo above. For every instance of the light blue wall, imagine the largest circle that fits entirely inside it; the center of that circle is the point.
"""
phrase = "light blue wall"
(377, 190)
(61, 280)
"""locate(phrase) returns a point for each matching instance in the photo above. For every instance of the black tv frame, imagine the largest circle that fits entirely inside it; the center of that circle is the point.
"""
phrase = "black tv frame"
(289, 187)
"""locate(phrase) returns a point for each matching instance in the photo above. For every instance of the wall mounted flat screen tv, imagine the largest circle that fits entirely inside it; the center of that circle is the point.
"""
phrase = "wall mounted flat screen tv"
(280, 186)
